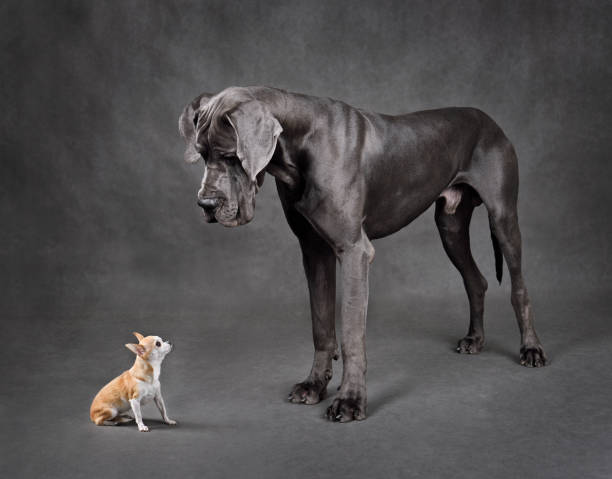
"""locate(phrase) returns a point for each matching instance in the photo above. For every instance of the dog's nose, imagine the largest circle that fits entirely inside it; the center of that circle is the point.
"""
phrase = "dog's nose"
(209, 203)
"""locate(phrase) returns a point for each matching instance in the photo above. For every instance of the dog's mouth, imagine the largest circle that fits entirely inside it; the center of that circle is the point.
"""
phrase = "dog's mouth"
(225, 214)
(227, 219)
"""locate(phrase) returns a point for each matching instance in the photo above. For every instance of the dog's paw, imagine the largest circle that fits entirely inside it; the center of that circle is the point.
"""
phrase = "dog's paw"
(345, 409)
(533, 357)
(143, 428)
(470, 345)
(171, 422)
(308, 392)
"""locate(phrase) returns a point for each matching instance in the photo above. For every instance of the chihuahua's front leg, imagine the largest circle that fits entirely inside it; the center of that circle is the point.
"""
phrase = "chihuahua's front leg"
(135, 403)
(159, 402)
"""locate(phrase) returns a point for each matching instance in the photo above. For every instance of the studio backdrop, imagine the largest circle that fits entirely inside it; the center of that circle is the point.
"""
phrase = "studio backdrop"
(101, 235)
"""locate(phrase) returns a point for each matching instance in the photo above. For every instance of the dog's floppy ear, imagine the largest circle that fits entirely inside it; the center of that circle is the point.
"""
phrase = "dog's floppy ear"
(139, 336)
(187, 126)
(256, 134)
(137, 349)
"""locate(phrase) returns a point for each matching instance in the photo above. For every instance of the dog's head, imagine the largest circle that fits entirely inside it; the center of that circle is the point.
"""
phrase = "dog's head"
(150, 348)
(235, 134)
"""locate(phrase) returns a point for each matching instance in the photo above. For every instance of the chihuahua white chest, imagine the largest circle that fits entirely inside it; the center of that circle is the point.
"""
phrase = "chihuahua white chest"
(147, 391)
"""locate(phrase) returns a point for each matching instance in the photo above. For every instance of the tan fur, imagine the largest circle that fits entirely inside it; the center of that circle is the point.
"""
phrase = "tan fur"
(124, 387)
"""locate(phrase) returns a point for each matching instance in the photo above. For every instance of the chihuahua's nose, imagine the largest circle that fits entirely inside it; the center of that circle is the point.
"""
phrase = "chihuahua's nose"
(209, 203)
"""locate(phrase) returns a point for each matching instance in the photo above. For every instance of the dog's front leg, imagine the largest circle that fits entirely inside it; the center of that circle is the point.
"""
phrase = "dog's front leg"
(320, 268)
(135, 403)
(351, 401)
(159, 402)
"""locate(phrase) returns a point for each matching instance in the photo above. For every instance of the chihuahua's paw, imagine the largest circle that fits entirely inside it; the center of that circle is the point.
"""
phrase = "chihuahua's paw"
(172, 422)
(143, 428)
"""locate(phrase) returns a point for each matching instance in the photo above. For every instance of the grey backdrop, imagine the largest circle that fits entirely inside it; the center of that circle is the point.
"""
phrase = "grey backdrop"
(101, 235)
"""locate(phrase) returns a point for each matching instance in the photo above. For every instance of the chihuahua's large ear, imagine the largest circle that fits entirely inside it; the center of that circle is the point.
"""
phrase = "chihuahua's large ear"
(187, 125)
(139, 336)
(256, 134)
(137, 349)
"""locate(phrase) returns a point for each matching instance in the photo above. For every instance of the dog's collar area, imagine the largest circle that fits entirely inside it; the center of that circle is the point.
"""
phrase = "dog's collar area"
(285, 174)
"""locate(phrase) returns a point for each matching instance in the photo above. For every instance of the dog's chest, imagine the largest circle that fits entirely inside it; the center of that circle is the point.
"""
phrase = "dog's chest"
(147, 391)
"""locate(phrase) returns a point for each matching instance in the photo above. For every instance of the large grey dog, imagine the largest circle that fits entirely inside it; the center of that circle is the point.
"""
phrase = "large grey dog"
(346, 176)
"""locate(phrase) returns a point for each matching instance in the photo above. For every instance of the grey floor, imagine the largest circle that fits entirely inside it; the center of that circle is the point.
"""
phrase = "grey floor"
(432, 413)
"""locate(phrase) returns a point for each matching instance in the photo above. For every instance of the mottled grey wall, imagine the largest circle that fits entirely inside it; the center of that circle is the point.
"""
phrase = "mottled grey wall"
(100, 235)
(98, 210)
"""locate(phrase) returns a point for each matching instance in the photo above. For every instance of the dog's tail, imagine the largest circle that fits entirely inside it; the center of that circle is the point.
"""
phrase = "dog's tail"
(499, 259)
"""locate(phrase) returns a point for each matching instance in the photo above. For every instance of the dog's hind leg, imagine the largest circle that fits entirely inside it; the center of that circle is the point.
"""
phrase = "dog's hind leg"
(118, 420)
(497, 185)
(105, 417)
(453, 214)
(506, 228)
(111, 422)
(123, 418)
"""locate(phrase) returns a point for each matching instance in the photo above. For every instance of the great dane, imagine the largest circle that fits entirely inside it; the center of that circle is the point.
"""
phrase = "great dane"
(346, 176)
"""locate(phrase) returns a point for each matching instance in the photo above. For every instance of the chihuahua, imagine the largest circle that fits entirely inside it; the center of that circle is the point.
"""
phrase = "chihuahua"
(135, 387)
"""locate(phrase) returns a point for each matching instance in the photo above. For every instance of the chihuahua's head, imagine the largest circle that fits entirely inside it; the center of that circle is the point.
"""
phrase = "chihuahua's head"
(150, 348)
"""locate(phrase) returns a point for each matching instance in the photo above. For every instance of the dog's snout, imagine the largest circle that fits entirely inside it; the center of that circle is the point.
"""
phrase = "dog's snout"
(209, 203)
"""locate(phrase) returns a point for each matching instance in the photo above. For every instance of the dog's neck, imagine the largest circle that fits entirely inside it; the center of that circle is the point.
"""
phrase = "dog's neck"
(147, 371)
(296, 114)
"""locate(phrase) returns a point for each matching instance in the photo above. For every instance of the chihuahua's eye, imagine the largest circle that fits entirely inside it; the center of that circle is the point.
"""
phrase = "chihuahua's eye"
(158, 344)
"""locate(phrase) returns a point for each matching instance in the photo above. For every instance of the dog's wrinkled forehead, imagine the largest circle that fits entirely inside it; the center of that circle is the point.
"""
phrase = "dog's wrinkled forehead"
(231, 123)
(213, 129)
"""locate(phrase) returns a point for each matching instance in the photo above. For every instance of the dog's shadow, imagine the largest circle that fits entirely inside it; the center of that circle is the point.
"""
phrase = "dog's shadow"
(392, 390)
(495, 348)
(181, 425)
(387, 396)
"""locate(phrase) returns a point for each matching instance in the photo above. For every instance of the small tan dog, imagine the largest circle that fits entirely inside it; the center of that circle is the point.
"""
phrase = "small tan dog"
(134, 387)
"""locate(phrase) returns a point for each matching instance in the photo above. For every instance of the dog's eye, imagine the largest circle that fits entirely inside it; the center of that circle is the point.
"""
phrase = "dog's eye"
(158, 344)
